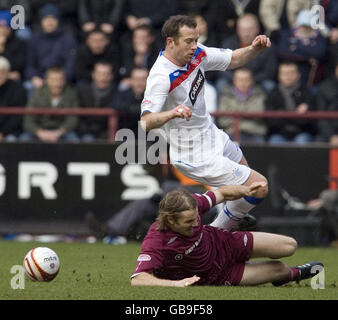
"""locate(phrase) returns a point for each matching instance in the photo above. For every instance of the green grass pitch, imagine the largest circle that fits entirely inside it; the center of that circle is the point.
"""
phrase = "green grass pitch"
(101, 272)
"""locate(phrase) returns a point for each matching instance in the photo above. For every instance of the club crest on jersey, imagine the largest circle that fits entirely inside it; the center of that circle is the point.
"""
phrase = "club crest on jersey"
(196, 87)
(179, 256)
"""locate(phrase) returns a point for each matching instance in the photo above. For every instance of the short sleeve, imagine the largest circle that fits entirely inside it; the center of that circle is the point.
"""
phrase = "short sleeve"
(150, 257)
(217, 59)
(156, 93)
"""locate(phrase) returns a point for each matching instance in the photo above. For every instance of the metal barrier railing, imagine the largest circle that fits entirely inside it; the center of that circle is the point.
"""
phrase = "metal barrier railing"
(237, 116)
(113, 115)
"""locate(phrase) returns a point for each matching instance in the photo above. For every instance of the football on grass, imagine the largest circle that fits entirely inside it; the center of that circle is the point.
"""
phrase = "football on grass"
(41, 264)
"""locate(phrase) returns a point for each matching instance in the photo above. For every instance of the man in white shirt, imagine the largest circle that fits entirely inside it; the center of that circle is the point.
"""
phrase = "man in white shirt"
(174, 98)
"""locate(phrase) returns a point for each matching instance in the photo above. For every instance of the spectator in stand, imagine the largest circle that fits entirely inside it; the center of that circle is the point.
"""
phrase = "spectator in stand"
(222, 15)
(12, 94)
(140, 52)
(208, 39)
(327, 100)
(277, 15)
(149, 12)
(98, 47)
(25, 33)
(53, 46)
(191, 7)
(243, 96)
(289, 95)
(97, 94)
(331, 29)
(57, 94)
(128, 102)
(263, 67)
(68, 14)
(104, 15)
(305, 46)
(11, 47)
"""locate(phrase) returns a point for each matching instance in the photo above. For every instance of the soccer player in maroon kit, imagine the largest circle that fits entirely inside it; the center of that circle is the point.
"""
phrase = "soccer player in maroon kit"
(179, 251)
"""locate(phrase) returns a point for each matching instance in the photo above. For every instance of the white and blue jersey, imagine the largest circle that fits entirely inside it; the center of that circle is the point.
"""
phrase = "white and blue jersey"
(196, 143)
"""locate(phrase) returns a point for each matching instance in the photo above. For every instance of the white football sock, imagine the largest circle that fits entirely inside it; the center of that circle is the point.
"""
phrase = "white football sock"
(231, 213)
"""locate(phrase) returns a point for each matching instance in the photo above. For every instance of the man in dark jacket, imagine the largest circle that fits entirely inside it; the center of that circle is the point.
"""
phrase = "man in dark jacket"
(289, 95)
(99, 93)
(128, 102)
(140, 51)
(97, 47)
(263, 67)
(149, 12)
(12, 94)
(11, 47)
(104, 15)
(305, 46)
(52, 47)
(223, 15)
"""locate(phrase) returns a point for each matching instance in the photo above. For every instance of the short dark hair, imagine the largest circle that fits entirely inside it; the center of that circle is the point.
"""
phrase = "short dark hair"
(145, 27)
(103, 62)
(244, 69)
(288, 63)
(55, 69)
(96, 31)
(171, 27)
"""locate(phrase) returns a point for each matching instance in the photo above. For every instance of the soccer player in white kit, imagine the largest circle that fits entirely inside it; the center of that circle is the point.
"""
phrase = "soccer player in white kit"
(174, 99)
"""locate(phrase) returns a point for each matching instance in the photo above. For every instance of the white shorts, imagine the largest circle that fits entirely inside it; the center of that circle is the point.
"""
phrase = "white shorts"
(220, 169)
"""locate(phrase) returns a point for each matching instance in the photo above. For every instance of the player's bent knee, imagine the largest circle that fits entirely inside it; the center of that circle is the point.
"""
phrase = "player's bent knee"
(291, 246)
(288, 246)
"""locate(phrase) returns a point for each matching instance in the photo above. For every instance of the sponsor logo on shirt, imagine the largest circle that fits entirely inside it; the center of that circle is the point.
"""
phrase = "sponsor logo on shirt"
(180, 256)
(196, 243)
(196, 87)
(144, 257)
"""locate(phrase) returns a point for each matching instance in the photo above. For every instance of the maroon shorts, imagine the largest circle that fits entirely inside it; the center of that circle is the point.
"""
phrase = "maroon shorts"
(241, 245)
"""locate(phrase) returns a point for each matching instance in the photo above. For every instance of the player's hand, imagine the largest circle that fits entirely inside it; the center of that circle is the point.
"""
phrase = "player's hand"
(183, 112)
(254, 188)
(302, 108)
(261, 42)
(187, 281)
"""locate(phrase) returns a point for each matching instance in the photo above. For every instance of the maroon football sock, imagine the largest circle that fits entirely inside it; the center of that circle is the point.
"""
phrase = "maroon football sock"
(294, 274)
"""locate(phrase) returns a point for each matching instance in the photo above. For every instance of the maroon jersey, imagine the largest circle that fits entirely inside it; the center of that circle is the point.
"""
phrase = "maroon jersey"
(215, 255)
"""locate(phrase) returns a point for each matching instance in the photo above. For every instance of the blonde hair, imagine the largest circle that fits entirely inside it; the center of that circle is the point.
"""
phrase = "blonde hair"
(172, 205)
(4, 64)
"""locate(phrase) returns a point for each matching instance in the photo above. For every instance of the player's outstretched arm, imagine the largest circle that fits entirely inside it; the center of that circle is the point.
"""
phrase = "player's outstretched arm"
(147, 279)
(153, 120)
(236, 192)
(242, 56)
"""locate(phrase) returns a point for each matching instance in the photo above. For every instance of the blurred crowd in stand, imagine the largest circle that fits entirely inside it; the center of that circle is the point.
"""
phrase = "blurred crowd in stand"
(89, 53)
